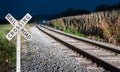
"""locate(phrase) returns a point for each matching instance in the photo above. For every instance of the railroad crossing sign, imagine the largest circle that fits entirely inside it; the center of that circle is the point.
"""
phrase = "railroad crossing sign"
(18, 27)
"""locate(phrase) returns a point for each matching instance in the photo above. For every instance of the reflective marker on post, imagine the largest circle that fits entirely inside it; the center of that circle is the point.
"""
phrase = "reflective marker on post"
(18, 28)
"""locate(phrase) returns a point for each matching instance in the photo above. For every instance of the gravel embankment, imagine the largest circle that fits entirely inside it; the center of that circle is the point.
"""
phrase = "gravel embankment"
(41, 55)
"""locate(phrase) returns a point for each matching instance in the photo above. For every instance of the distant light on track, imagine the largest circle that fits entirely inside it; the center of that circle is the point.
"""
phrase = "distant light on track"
(43, 21)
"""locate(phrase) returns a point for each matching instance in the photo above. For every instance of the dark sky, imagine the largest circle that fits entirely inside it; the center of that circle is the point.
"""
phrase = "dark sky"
(18, 8)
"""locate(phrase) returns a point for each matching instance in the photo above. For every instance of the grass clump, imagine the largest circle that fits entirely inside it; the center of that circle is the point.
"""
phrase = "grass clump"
(58, 25)
(7, 50)
(70, 29)
(74, 33)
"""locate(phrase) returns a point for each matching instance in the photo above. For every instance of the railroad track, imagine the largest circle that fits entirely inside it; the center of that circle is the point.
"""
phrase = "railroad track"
(107, 56)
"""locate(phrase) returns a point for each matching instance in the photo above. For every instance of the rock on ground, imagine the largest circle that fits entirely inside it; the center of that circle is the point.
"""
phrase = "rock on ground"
(41, 55)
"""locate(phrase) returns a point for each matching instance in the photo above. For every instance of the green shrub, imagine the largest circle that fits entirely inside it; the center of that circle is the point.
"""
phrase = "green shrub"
(72, 30)
(7, 50)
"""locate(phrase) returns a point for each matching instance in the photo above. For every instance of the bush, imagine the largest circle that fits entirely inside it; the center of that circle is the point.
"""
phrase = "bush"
(7, 50)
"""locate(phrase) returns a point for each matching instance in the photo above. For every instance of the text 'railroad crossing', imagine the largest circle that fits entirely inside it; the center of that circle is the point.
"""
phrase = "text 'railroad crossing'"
(18, 26)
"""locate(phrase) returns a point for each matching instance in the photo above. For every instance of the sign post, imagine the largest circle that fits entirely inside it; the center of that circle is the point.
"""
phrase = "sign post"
(17, 29)
(18, 63)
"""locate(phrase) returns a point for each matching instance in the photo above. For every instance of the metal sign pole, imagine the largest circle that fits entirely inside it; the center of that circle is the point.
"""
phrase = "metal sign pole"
(18, 53)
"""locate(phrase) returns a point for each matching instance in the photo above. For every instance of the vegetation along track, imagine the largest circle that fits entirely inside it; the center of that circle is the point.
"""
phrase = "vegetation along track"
(105, 55)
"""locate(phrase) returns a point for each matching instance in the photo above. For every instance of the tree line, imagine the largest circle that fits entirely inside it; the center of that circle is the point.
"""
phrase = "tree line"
(73, 12)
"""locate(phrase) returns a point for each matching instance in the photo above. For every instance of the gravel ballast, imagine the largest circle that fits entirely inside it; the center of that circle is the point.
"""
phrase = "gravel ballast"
(41, 55)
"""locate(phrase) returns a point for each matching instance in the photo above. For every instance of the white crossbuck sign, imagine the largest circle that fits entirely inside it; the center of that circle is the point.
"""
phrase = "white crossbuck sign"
(18, 26)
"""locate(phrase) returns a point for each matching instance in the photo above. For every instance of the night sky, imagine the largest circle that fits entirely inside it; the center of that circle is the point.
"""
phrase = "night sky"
(18, 8)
